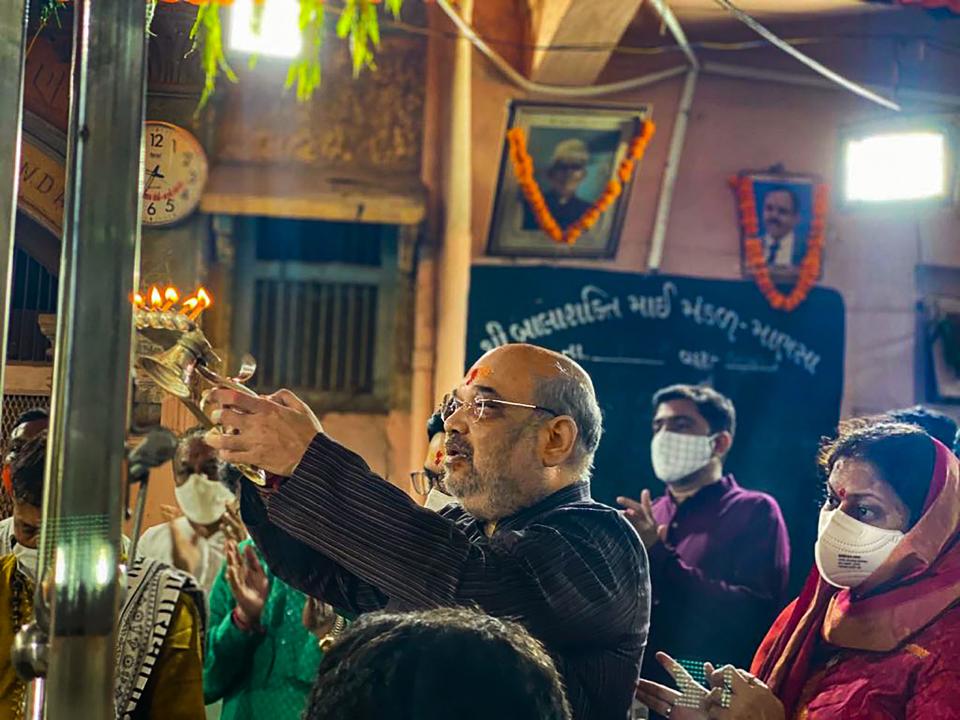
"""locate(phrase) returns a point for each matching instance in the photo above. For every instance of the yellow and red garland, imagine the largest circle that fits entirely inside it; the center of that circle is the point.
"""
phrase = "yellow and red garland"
(756, 258)
(525, 173)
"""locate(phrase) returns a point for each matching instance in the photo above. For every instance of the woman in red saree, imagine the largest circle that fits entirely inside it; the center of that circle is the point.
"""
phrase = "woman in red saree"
(875, 632)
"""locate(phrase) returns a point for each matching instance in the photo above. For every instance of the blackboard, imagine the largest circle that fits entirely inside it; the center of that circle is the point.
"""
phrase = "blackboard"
(637, 333)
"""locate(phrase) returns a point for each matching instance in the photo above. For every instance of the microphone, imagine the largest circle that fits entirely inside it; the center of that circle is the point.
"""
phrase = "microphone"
(159, 446)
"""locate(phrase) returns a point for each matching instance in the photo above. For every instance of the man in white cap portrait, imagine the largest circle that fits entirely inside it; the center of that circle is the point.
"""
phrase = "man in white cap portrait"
(567, 170)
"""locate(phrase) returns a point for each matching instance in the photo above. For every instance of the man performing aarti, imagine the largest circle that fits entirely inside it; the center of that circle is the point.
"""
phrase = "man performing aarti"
(526, 542)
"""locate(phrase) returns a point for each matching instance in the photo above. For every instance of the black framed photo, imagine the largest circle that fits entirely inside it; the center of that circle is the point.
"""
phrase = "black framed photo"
(576, 157)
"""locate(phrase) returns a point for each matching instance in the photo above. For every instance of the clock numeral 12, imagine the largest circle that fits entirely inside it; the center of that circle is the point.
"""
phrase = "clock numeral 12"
(156, 140)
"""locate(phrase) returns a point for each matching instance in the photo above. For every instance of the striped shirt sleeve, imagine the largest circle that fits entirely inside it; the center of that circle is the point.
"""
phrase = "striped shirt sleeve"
(342, 533)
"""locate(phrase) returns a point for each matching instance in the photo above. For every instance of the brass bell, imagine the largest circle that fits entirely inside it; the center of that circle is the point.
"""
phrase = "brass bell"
(173, 369)
(179, 369)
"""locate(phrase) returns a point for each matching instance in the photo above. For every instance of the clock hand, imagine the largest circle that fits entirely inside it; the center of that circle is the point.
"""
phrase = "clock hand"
(153, 174)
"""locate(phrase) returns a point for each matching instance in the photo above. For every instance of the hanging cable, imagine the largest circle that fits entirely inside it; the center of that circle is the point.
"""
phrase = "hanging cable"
(817, 67)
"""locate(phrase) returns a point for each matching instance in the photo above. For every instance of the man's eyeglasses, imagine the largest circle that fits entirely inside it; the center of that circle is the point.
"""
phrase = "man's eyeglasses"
(424, 481)
(477, 406)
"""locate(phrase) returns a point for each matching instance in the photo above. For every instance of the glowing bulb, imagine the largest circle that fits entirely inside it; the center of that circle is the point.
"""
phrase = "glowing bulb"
(896, 166)
(279, 34)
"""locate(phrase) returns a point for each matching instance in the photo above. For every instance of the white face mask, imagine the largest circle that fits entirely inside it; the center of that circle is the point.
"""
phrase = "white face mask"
(437, 500)
(203, 501)
(26, 560)
(849, 551)
(677, 456)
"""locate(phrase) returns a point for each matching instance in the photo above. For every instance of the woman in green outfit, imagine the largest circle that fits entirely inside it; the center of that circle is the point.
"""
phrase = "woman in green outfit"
(262, 645)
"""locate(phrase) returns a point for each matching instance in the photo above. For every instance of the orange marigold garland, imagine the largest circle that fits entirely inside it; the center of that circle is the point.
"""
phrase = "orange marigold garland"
(525, 173)
(756, 257)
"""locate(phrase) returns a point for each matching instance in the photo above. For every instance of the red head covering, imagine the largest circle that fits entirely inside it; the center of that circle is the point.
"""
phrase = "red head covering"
(914, 586)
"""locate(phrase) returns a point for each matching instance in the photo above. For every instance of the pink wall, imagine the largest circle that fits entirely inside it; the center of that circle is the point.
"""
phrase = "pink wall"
(737, 124)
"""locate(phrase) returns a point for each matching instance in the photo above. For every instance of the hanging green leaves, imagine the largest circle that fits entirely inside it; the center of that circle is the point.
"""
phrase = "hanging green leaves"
(360, 25)
(305, 70)
(207, 35)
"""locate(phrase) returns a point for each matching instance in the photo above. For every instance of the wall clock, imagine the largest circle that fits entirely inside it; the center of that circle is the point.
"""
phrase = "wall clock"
(174, 174)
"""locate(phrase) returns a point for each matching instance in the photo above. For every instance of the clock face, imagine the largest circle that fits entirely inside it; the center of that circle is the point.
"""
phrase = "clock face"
(174, 173)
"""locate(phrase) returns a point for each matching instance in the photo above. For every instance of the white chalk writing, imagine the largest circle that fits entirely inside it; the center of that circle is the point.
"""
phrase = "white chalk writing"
(785, 346)
(596, 305)
(706, 313)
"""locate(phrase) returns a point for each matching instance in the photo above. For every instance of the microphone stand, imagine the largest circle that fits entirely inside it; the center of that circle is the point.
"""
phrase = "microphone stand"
(144, 481)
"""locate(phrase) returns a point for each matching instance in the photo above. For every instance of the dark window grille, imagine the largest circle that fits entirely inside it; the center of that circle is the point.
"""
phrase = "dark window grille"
(317, 307)
(34, 293)
(317, 335)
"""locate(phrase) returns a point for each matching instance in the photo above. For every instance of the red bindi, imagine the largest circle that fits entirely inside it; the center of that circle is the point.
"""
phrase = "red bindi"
(476, 373)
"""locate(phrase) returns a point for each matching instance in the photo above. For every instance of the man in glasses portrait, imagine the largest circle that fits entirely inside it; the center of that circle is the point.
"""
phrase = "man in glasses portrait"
(525, 542)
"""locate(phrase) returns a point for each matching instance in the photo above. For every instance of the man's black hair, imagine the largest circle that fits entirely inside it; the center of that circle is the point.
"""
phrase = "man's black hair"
(434, 425)
(436, 665)
(26, 471)
(37, 413)
(716, 409)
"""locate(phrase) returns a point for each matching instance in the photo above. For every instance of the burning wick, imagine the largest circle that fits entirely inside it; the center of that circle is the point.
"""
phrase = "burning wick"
(156, 302)
(189, 305)
(170, 297)
(203, 302)
(138, 300)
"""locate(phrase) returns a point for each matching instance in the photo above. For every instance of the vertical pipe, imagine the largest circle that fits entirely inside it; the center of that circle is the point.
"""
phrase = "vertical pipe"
(13, 43)
(454, 270)
(93, 358)
(670, 172)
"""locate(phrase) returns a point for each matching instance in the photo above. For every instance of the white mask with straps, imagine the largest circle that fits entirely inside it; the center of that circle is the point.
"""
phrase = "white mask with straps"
(677, 456)
(27, 560)
(203, 501)
(849, 551)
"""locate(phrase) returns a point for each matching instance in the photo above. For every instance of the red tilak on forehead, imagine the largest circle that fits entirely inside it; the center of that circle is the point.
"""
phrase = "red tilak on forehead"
(842, 492)
(439, 458)
(477, 373)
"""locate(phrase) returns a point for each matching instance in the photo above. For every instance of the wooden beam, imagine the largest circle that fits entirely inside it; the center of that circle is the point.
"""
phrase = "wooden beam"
(28, 379)
(577, 22)
(307, 193)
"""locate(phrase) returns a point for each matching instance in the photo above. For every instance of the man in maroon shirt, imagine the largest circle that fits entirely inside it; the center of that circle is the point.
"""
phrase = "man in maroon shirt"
(719, 554)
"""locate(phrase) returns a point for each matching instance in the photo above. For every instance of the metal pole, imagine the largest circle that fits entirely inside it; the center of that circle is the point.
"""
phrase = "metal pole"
(93, 356)
(454, 271)
(669, 182)
(13, 44)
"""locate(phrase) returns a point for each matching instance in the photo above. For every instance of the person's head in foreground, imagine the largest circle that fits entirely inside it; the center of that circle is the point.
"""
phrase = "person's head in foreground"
(886, 577)
(436, 664)
(523, 424)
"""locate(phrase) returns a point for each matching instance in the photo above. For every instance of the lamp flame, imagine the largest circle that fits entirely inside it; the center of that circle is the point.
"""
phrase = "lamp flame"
(170, 296)
(203, 302)
(155, 300)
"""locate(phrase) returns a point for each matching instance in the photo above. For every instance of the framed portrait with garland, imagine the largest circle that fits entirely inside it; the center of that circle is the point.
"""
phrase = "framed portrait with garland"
(565, 178)
(782, 218)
